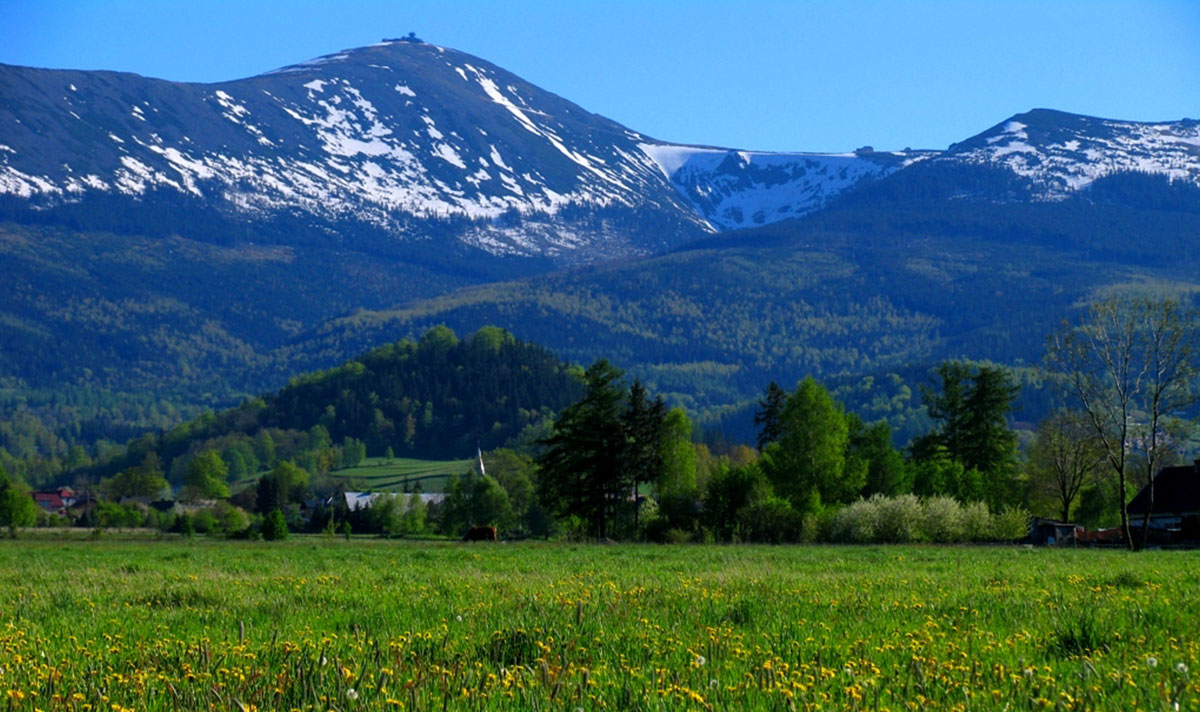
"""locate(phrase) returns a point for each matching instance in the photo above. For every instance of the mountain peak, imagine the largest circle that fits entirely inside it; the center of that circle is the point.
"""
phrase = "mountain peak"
(1060, 152)
(386, 48)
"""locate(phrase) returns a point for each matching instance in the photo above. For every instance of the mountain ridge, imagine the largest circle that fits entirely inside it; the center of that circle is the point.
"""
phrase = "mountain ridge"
(403, 139)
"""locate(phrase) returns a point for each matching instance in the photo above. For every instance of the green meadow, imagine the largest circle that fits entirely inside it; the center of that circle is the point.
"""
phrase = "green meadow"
(335, 624)
(384, 475)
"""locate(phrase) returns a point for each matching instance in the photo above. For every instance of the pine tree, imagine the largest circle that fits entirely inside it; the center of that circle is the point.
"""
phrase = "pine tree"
(581, 469)
(768, 414)
(973, 430)
(643, 421)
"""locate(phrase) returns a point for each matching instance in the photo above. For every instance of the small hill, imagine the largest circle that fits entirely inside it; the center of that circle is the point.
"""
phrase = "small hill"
(437, 399)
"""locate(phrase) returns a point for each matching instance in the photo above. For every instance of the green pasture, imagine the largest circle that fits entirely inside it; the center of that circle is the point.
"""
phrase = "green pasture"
(382, 474)
(333, 624)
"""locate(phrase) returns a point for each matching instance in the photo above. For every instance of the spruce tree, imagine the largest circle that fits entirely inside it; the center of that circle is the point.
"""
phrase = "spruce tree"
(582, 473)
(766, 417)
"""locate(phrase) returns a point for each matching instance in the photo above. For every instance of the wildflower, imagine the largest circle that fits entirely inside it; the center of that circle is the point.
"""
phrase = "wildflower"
(352, 694)
(1151, 661)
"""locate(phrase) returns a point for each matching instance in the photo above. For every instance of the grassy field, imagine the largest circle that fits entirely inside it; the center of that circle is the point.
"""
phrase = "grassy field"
(317, 624)
(380, 474)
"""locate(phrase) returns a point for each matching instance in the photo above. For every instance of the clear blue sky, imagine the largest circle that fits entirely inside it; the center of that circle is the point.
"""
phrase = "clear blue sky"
(788, 75)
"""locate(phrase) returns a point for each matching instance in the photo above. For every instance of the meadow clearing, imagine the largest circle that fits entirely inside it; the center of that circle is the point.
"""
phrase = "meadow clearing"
(330, 624)
(381, 474)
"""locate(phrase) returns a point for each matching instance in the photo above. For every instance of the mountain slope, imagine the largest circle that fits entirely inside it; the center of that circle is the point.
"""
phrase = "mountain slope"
(436, 398)
(843, 294)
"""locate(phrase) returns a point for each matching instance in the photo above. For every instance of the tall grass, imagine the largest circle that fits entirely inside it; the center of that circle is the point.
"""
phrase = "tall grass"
(314, 624)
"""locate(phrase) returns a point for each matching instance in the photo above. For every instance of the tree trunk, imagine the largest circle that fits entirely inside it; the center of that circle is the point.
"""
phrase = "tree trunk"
(1149, 511)
(1125, 513)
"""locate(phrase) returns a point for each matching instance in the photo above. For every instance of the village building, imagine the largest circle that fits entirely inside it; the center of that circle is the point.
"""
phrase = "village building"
(1175, 508)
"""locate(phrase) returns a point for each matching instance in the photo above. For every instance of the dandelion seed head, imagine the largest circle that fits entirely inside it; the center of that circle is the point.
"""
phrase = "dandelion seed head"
(712, 684)
(1151, 661)
(352, 694)
(700, 660)
(458, 618)
(1180, 668)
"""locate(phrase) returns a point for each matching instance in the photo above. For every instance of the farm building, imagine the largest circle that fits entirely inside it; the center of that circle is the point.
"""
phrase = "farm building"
(1049, 532)
(1176, 502)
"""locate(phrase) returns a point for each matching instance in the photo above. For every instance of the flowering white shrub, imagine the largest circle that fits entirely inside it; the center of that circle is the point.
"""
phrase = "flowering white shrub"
(976, 522)
(943, 521)
(900, 518)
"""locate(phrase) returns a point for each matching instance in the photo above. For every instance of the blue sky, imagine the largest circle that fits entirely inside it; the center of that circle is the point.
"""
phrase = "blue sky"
(814, 76)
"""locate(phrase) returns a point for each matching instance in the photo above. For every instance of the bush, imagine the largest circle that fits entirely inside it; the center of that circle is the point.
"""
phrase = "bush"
(772, 520)
(204, 521)
(229, 519)
(274, 527)
(1012, 524)
(977, 522)
(943, 520)
(900, 518)
(856, 523)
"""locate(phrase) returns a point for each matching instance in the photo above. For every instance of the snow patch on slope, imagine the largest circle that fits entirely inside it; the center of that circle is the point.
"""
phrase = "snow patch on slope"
(1069, 153)
(737, 189)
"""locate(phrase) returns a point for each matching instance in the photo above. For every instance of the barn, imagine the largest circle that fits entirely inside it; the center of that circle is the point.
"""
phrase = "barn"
(1176, 504)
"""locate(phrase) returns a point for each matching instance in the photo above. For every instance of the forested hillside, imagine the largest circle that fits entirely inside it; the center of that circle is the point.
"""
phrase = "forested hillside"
(437, 398)
(890, 284)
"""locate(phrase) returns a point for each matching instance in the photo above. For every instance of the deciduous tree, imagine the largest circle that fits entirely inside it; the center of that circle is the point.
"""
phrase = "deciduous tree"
(1065, 458)
(808, 463)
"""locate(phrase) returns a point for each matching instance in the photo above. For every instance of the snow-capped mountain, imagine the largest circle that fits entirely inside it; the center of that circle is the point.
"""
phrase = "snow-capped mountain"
(1061, 153)
(384, 135)
(421, 143)
(392, 137)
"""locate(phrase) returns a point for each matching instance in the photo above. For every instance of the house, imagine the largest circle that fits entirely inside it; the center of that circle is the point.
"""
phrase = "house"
(56, 501)
(51, 502)
(1176, 507)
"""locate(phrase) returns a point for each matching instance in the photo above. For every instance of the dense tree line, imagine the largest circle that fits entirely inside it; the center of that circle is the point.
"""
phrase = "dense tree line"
(614, 462)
